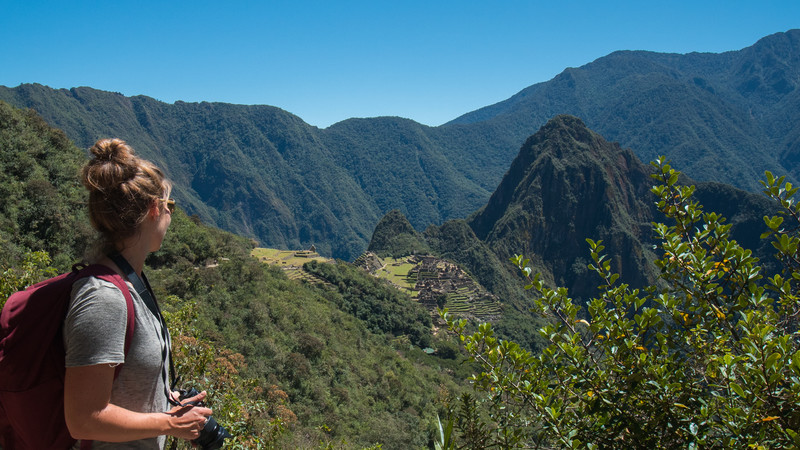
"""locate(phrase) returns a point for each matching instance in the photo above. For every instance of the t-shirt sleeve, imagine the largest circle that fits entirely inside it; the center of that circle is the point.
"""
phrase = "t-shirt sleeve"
(94, 328)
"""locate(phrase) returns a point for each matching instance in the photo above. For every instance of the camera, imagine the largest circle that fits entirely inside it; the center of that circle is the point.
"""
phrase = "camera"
(213, 434)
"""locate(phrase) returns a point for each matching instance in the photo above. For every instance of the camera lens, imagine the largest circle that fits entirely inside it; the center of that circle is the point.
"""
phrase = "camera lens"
(213, 435)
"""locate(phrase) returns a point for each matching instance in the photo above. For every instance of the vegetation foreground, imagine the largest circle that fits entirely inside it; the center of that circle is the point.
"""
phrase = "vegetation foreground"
(709, 357)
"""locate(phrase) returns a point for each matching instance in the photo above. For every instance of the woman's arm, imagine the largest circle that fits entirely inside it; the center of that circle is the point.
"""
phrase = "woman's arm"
(90, 415)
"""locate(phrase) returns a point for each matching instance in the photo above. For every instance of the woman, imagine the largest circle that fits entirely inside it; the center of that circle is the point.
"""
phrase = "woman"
(129, 205)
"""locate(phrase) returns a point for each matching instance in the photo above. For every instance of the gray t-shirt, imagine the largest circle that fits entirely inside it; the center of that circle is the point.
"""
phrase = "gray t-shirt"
(94, 333)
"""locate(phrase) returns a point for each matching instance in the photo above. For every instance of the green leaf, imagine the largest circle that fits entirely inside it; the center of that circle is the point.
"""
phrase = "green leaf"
(793, 434)
(771, 360)
(673, 178)
(737, 388)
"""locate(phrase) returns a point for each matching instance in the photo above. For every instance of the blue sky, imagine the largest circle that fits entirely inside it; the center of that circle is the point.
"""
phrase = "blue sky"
(327, 61)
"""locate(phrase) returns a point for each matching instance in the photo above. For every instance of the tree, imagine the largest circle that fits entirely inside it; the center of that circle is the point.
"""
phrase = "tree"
(706, 357)
(35, 267)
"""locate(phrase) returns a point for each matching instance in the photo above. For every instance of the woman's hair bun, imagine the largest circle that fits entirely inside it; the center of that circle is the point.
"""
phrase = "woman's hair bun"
(114, 163)
(111, 150)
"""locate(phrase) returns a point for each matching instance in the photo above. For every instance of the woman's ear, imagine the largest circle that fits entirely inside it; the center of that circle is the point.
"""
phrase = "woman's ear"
(155, 209)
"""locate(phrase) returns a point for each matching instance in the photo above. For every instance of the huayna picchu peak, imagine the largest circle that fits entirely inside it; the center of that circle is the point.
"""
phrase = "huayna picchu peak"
(566, 185)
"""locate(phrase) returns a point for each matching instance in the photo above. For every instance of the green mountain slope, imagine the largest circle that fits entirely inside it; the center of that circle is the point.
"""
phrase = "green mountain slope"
(41, 198)
(569, 184)
(402, 165)
(257, 171)
(566, 185)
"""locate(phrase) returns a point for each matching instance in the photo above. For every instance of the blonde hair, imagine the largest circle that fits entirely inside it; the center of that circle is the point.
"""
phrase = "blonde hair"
(122, 187)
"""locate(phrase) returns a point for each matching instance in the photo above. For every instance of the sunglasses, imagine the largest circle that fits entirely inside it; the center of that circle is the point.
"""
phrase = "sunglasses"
(170, 204)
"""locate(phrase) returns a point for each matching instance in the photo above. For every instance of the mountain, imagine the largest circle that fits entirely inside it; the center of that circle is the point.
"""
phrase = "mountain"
(394, 235)
(719, 117)
(566, 185)
(41, 197)
(257, 171)
(262, 172)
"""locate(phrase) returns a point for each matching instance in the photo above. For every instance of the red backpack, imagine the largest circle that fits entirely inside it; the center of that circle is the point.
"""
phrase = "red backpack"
(32, 360)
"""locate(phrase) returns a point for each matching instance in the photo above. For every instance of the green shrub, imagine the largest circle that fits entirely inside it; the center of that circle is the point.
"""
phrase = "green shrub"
(707, 357)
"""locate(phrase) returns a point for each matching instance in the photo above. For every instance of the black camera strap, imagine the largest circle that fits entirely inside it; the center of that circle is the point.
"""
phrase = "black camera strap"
(142, 287)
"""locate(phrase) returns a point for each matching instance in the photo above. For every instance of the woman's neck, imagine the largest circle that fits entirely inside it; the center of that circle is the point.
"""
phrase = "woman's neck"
(135, 252)
(135, 258)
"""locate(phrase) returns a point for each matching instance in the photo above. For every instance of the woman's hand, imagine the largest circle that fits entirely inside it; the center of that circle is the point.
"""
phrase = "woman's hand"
(90, 414)
(188, 421)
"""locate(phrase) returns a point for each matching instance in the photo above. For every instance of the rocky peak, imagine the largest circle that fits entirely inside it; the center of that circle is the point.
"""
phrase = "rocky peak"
(568, 184)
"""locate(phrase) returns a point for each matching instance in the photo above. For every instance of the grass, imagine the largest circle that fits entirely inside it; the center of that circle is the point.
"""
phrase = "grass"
(396, 272)
(291, 261)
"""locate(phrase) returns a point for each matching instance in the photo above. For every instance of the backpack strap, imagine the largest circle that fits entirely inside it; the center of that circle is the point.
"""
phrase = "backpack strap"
(131, 322)
(105, 273)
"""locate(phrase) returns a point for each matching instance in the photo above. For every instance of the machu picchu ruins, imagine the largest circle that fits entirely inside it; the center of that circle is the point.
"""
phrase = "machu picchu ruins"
(435, 283)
